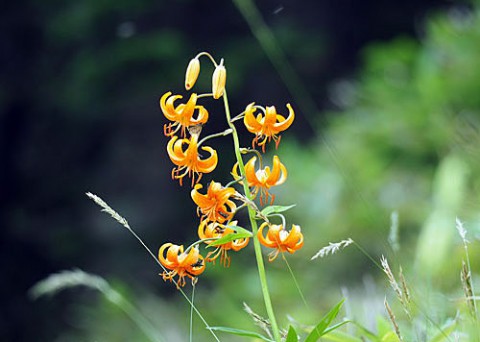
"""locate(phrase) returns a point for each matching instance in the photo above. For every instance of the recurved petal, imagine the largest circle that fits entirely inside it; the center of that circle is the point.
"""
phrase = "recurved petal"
(202, 116)
(172, 113)
(234, 172)
(278, 174)
(214, 188)
(250, 172)
(173, 252)
(224, 194)
(296, 246)
(266, 241)
(175, 152)
(210, 163)
(202, 231)
(283, 125)
(168, 110)
(161, 256)
(188, 109)
(294, 236)
(190, 258)
(270, 116)
(251, 123)
(239, 244)
(274, 233)
(199, 199)
(198, 268)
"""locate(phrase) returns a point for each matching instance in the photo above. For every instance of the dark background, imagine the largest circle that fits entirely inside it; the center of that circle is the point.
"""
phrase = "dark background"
(79, 89)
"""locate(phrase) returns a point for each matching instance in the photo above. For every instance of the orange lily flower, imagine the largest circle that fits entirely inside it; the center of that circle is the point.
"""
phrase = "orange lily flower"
(263, 179)
(215, 205)
(188, 160)
(215, 230)
(180, 263)
(280, 239)
(181, 115)
(267, 126)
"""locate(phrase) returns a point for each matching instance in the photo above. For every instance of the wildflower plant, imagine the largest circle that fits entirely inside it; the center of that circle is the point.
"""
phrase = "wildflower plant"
(221, 231)
(219, 227)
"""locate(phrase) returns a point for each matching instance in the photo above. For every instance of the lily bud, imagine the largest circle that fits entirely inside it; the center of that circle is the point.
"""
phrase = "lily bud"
(218, 80)
(191, 75)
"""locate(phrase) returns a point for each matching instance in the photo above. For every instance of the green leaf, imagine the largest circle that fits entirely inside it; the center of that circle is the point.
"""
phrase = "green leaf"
(335, 326)
(273, 209)
(229, 237)
(239, 229)
(292, 335)
(240, 332)
(321, 327)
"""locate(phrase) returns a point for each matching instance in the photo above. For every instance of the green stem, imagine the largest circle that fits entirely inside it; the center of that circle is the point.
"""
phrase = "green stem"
(216, 135)
(253, 222)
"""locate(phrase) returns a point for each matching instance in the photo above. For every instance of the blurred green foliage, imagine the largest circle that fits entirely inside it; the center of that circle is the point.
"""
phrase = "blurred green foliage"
(405, 139)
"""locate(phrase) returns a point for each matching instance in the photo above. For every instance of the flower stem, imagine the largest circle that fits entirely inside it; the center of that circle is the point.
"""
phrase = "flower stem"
(253, 222)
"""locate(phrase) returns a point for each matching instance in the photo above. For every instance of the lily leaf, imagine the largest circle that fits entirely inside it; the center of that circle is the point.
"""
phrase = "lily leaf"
(239, 229)
(274, 209)
(292, 335)
(322, 327)
(229, 237)
(240, 332)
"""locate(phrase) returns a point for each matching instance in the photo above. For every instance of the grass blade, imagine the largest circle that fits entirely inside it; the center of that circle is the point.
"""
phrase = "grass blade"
(292, 335)
(240, 332)
(321, 328)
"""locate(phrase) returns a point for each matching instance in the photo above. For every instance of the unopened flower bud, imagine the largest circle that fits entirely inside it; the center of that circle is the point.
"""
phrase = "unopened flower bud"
(191, 75)
(218, 80)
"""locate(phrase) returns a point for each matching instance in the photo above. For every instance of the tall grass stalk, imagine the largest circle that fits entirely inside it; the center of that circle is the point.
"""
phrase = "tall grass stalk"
(463, 234)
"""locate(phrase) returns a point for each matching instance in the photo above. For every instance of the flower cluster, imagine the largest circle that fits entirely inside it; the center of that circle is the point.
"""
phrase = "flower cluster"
(218, 205)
